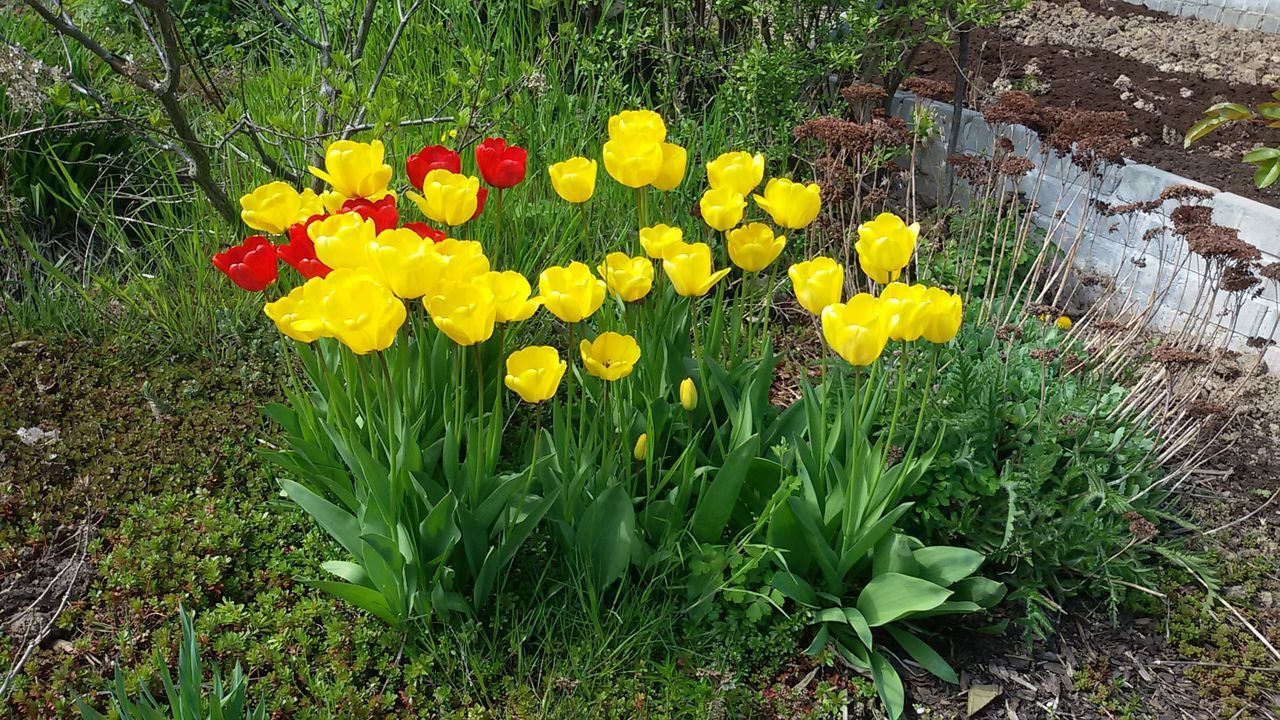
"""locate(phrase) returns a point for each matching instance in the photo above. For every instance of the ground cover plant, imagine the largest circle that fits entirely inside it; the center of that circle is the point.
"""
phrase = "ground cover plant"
(632, 466)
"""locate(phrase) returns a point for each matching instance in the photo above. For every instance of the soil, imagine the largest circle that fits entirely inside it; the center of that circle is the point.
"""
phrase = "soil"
(1163, 71)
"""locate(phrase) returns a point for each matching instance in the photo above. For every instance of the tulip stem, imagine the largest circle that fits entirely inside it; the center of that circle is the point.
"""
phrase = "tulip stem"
(497, 225)
(569, 371)
(642, 206)
(897, 404)
(586, 233)
(479, 383)
(924, 401)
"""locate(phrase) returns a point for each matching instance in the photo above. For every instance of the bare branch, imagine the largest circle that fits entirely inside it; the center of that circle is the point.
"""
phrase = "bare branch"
(291, 26)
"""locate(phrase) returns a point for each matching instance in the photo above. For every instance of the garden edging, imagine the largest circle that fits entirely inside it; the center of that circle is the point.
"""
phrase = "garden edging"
(1141, 239)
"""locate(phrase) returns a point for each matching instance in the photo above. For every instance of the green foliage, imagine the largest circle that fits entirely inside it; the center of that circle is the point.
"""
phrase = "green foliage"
(187, 698)
(1224, 114)
(1033, 471)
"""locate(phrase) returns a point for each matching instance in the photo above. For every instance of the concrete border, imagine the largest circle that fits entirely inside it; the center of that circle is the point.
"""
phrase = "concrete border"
(1261, 15)
(1136, 247)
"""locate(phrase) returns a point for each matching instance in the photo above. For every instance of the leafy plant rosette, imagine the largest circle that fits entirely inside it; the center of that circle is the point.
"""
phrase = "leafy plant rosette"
(630, 423)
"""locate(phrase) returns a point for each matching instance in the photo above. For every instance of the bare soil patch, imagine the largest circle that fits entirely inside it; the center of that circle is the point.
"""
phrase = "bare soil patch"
(1162, 71)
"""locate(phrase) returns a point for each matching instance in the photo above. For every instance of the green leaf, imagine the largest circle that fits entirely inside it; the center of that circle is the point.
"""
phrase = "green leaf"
(1202, 128)
(946, 565)
(921, 652)
(716, 504)
(606, 536)
(893, 596)
(888, 685)
(366, 599)
(979, 590)
(340, 524)
(795, 588)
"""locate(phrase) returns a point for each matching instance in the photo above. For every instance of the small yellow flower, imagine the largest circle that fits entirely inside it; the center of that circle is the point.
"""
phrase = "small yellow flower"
(574, 179)
(628, 278)
(739, 171)
(405, 261)
(633, 161)
(1063, 322)
(465, 312)
(355, 169)
(655, 240)
(856, 330)
(273, 207)
(674, 160)
(688, 395)
(571, 293)
(885, 246)
(645, 125)
(534, 373)
(511, 292)
(344, 240)
(360, 311)
(722, 208)
(754, 247)
(817, 283)
(610, 356)
(298, 313)
(791, 204)
(905, 307)
(641, 448)
(448, 198)
(688, 266)
(943, 315)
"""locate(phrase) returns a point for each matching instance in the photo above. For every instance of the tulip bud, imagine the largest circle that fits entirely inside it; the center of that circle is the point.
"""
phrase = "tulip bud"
(688, 395)
(642, 444)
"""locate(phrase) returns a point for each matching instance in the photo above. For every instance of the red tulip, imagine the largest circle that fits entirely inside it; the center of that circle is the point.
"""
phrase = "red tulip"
(425, 230)
(300, 253)
(431, 158)
(252, 264)
(480, 198)
(382, 212)
(501, 166)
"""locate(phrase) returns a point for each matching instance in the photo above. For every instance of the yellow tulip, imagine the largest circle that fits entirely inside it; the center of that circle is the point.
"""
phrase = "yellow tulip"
(571, 293)
(1063, 322)
(447, 198)
(456, 262)
(645, 125)
(333, 201)
(641, 448)
(689, 269)
(633, 161)
(655, 240)
(688, 395)
(344, 240)
(610, 356)
(674, 160)
(943, 316)
(817, 283)
(405, 261)
(511, 292)
(298, 313)
(722, 208)
(355, 169)
(905, 307)
(754, 247)
(628, 278)
(791, 205)
(360, 311)
(856, 330)
(574, 179)
(273, 207)
(465, 312)
(739, 171)
(885, 246)
(534, 373)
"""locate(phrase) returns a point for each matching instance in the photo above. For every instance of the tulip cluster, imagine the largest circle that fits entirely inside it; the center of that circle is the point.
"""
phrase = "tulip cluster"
(360, 262)
(859, 328)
